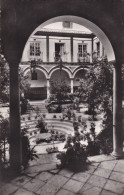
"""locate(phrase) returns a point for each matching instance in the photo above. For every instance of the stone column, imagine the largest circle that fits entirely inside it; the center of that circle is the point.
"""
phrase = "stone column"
(117, 113)
(71, 49)
(72, 85)
(48, 88)
(47, 48)
(15, 132)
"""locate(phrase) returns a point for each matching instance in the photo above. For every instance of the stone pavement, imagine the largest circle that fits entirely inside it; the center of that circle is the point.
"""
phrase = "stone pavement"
(104, 176)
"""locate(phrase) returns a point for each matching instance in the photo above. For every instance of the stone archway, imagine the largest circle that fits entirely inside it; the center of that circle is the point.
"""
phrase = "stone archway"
(79, 74)
(16, 15)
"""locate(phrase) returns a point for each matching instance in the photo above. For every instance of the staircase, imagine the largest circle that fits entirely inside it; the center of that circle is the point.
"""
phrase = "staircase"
(36, 106)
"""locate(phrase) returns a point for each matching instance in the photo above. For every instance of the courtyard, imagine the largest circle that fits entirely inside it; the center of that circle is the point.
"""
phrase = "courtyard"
(68, 56)
(103, 176)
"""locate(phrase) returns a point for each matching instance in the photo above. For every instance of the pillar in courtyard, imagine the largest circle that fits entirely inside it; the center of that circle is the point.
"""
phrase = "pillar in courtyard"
(15, 132)
(117, 112)
(72, 85)
(47, 48)
(71, 49)
(48, 88)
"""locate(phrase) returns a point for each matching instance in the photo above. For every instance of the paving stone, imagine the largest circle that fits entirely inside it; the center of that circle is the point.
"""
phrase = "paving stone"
(96, 164)
(64, 192)
(32, 174)
(40, 168)
(73, 185)
(117, 176)
(57, 180)
(114, 186)
(102, 172)
(108, 164)
(90, 169)
(66, 173)
(23, 192)
(8, 189)
(54, 171)
(34, 185)
(86, 186)
(106, 192)
(48, 189)
(100, 158)
(97, 181)
(119, 167)
(91, 191)
(44, 176)
(22, 180)
(83, 177)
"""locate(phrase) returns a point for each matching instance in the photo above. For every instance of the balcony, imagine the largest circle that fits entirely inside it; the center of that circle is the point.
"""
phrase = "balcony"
(84, 57)
(57, 56)
(37, 57)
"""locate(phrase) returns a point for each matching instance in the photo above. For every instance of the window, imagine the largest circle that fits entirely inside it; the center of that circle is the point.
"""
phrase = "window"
(98, 49)
(80, 50)
(67, 24)
(35, 49)
(84, 48)
(34, 75)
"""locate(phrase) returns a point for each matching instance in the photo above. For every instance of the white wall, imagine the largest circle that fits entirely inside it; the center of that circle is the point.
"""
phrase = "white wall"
(77, 41)
(42, 39)
(53, 40)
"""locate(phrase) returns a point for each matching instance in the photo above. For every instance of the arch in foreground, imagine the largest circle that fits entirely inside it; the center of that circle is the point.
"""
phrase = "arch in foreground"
(17, 15)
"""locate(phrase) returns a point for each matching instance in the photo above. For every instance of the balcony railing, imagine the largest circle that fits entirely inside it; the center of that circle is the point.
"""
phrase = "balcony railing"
(63, 56)
(36, 57)
(83, 57)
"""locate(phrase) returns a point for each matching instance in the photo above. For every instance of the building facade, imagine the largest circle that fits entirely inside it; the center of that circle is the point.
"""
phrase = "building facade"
(65, 45)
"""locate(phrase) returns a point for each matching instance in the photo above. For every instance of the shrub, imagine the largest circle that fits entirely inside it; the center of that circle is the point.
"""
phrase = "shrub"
(52, 150)
(75, 157)
(28, 153)
(24, 104)
(42, 125)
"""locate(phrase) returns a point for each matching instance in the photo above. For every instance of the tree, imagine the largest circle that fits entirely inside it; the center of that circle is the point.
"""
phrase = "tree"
(24, 90)
(24, 84)
(4, 129)
(96, 88)
(61, 90)
(4, 80)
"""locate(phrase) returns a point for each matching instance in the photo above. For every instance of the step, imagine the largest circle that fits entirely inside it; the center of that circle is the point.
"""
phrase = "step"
(59, 122)
(59, 126)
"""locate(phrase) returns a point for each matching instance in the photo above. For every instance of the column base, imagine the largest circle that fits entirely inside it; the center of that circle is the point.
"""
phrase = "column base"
(117, 155)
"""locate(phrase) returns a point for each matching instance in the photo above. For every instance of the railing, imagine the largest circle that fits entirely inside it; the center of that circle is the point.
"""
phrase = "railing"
(84, 57)
(37, 58)
(63, 56)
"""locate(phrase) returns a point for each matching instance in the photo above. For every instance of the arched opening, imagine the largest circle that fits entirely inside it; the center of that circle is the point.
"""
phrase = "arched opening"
(38, 85)
(86, 23)
(14, 101)
(80, 74)
(60, 75)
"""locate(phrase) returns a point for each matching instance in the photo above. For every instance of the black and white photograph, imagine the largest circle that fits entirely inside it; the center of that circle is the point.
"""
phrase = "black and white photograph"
(61, 97)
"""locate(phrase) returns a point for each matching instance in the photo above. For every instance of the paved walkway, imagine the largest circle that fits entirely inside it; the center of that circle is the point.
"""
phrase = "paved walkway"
(105, 176)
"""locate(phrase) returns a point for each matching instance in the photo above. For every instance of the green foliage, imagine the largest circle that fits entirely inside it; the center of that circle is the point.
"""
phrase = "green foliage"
(4, 129)
(75, 157)
(24, 84)
(105, 137)
(60, 89)
(42, 125)
(24, 104)
(24, 90)
(4, 80)
(96, 88)
(28, 153)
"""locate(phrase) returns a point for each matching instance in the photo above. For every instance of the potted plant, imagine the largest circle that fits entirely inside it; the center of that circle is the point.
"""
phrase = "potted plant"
(75, 157)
